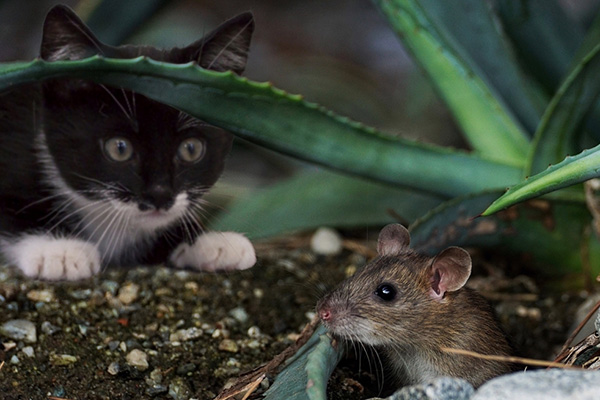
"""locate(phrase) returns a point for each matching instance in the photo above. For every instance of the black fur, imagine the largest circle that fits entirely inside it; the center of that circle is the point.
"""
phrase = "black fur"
(70, 121)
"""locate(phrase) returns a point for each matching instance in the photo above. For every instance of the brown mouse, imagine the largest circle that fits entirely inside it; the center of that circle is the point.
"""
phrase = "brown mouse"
(410, 306)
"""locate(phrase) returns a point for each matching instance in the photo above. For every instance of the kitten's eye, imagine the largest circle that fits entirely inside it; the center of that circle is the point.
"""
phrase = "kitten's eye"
(118, 149)
(386, 292)
(191, 150)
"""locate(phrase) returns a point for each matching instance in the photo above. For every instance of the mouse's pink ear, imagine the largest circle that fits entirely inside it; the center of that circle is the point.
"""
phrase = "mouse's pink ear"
(449, 271)
(393, 239)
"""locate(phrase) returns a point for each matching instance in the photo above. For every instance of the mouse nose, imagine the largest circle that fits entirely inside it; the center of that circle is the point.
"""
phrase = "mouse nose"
(325, 314)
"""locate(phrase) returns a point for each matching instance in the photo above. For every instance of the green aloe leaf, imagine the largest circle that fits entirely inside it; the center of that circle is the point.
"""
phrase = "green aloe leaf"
(282, 122)
(487, 123)
(113, 21)
(549, 234)
(565, 115)
(305, 375)
(572, 170)
(472, 27)
(321, 198)
(545, 38)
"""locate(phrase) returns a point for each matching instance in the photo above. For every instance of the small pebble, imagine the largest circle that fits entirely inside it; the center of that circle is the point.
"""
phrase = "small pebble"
(9, 345)
(110, 287)
(239, 314)
(45, 296)
(128, 293)
(155, 390)
(62, 359)
(14, 360)
(183, 335)
(326, 242)
(19, 329)
(49, 329)
(28, 351)
(254, 332)
(82, 294)
(228, 345)
(138, 359)
(113, 368)
(59, 391)
(179, 389)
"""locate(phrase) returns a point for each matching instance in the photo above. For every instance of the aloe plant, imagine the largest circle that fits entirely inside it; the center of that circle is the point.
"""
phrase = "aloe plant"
(414, 177)
(521, 87)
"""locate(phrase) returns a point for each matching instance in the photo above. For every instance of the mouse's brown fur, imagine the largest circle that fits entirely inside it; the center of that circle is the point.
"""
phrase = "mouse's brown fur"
(410, 305)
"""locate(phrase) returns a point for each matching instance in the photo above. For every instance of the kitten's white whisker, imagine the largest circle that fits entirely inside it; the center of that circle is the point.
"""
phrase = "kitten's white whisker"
(117, 234)
(75, 212)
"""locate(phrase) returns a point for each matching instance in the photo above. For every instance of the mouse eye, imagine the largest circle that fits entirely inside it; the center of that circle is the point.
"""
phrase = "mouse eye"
(386, 292)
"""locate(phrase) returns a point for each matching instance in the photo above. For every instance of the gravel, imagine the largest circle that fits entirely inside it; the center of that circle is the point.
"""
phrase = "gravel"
(197, 331)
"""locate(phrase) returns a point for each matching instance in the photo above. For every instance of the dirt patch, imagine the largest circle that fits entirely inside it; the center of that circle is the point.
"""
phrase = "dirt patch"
(198, 330)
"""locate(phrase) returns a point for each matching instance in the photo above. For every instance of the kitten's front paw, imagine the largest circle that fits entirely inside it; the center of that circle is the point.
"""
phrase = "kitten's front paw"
(215, 251)
(45, 257)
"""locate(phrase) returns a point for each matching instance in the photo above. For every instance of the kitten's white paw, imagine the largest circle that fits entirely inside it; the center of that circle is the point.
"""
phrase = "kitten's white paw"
(49, 258)
(216, 251)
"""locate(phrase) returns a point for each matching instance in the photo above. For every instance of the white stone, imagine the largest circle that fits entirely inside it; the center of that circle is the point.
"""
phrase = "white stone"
(550, 384)
(326, 242)
(137, 358)
(19, 329)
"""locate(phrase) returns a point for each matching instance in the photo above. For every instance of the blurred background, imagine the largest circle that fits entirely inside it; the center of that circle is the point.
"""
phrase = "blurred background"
(338, 53)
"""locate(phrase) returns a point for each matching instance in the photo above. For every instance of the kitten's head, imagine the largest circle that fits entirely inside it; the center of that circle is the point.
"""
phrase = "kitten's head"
(105, 143)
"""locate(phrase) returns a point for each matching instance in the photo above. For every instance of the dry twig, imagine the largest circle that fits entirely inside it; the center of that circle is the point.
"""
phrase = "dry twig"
(509, 359)
(578, 329)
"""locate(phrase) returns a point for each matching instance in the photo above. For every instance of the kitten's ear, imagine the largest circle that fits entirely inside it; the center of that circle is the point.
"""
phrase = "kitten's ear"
(225, 48)
(66, 37)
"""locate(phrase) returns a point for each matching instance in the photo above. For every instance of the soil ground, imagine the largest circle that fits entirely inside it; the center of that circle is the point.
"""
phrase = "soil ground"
(199, 330)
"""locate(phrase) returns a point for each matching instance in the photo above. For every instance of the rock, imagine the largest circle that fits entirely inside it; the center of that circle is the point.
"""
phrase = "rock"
(49, 329)
(239, 314)
(45, 296)
(179, 389)
(551, 384)
(14, 360)
(183, 335)
(326, 242)
(254, 332)
(62, 359)
(128, 293)
(138, 359)
(113, 368)
(28, 351)
(597, 324)
(19, 329)
(444, 388)
(155, 390)
(228, 345)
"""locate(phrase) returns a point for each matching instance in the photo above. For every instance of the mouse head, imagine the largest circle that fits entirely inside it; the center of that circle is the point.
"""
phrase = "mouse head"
(391, 297)
(448, 271)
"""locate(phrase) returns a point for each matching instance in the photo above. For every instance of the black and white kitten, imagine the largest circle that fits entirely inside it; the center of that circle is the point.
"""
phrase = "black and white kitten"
(91, 174)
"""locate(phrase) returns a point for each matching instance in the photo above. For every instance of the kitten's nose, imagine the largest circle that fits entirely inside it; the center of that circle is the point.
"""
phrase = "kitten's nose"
(157, 197)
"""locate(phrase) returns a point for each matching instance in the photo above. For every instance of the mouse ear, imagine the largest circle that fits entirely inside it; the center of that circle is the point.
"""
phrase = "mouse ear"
(393, 239)
(449, 271)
